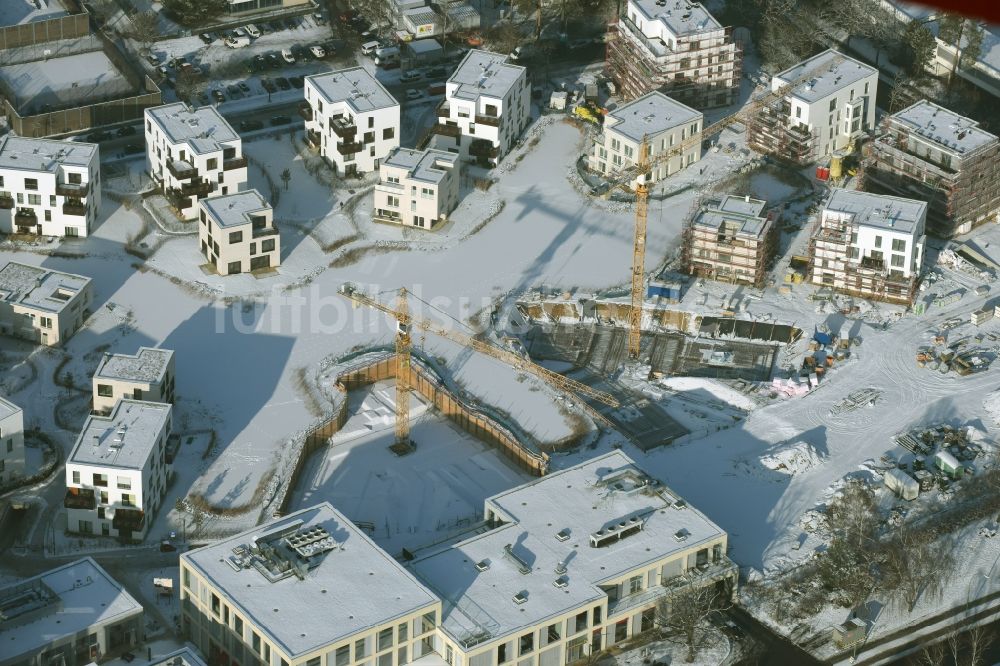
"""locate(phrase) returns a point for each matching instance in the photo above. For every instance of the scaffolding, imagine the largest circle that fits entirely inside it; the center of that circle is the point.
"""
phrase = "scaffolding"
(961, 193)
(771, 131)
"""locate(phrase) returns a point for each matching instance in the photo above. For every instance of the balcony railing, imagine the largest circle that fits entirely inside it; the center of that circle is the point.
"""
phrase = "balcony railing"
(74, 208)
(76, 190)
(6, 203)
(25, 219)
(181, 170)
(345, 129)
(265, 232)
(447, 130)
(306, 111)
(313, 137)
(700, 576)
(198, 188)
(443, 110)
(128, 519)
(483, 148)
(492, 121)
(80, 498)
(349, 147)
(234, 163)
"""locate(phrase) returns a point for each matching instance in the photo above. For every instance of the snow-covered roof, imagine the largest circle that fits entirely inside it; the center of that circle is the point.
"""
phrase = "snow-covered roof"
(39, 288)
(15, 12)
(354, 86)
(424, 46)
(124, 438)
(430, 165)
(204, 128)
(908, 10)
(649, 115)
(484, 73)
(878, 210)
(7, 408)
(743, 211)
(942, 127)
(830, 72)
(348, 585)
(231, 210)
(546, 538)
(146, 365)
(183, 657)
(60, 604)
(44, 154)
(679, 16)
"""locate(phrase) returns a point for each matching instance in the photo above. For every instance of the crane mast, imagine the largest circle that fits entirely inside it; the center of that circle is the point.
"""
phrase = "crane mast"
(639, 251)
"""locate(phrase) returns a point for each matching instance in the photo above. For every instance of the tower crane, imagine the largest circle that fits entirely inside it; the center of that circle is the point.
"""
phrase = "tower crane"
(405, 322)
(640, 174)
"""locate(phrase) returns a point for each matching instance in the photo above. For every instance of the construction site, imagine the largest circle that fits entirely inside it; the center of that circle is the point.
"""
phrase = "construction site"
(772, 132)
(930, 153)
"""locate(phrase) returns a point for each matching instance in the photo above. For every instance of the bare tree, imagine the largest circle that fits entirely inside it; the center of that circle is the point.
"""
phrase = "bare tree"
(286, 177)
(503, 37)
(899, 96)
(189, 86)
(916, 565)
(376, 11)
(978, 641)
(684, 618)
(145, 28)
(932, 655)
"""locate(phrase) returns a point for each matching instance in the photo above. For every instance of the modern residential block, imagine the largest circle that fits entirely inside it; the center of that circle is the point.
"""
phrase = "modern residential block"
(193, 153)
(309, 586)
(146, 375)
(869, 245)
(48, 187)
(73, 615)
(117, 472)
(183, 657)
(551, 584)
(351, 118)
(417, 188)
(244, 7)
(11, 442)
(832, 104)
(236, 233)
(487, 106)
(667, 126)
(675, 46)
(730, 239)
(940, 157)
(42, 305)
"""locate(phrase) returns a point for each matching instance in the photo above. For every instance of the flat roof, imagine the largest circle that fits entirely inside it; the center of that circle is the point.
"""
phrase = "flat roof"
(183, 657)
(7, 408)
(16, 12)
(204, 128)
(549, 524)
(878, 210)
(64, 81)
(650, 115)
(743, 211)
(146, 365)
(424, 46)
(231, 210)
(943, 127)
(351, 586)
(422, 164)
(679, 16)
(484, 73)
(831, 71)
(354, 86)
(124, 438)
(44, 154)
(39, 288)
(60, 603)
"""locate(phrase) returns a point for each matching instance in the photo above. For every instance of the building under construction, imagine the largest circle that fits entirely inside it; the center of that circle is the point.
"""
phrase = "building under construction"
(675, 46)
(770, 131)
(930, 153)
(731, 240)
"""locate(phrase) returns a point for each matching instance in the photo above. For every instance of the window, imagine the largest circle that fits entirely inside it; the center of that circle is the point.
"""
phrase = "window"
(124, 483)
(502, 653)
(426, 193)
(342, 656)
(48, 216)
(581, 622)
(898, 260)
(255, 641)
(267, 245)
(369, 137)
(314, 661)
(526, 644)
(597, 615)
(389, 133)
(898, 245)
(34, 200)
(428, 622)
(212, 163)
(101, 480)
(52, 200)
(371, 121)
(237, 624)
(629, 151)
(552, 633)
(360, 650)
(635, 584)
(878, 241)
(31, 183)
(402, 632)
(105, 390)
(385, 639)
(392, 202)
(384, 659)
(621, 630)
(833, 104)
(866, 88)
(234, 267)
(216, 604)
(853, 252)
(235, 237)
(76, 477)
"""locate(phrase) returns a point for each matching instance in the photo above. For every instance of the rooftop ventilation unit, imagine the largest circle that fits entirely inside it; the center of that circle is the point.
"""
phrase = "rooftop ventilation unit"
(680, 505)
(560, 567)
(521, 597)
(681, 535)
(616, 532)
(483, 565)
(561, 582)
(522, 566)
(563, 534)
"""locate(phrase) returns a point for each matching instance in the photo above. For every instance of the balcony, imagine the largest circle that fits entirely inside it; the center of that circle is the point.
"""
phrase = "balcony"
(128, 519)
(75, 190)
(198, 188)
(25, 218)
(313, 138)
(443, 110)
(349, 147)
(181, 170)
(447, 130)
(7, 202)
(701, 576)
(264, 232)
(344, 128)
(483, 148)
(74, 208)
(872, 263)
(492, 121)
(234, 163)
(80, 498)
(306, 111)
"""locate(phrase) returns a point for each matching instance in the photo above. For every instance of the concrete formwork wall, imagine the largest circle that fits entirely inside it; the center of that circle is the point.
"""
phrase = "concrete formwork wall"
(473, 422)
(39, 32)
(317, 438)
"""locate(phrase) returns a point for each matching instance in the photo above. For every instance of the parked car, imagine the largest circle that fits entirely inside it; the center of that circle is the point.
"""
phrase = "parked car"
(233, 90)
(206, 37)
(165, 547)
(239, 32)
(152, 59)
(250, 125)
(162, 71)
(274, 59)
(218, 96)
(96, 137)
(243, 86)
(252, 31)
(175, 63)
(204, 99)
(297, 81)
(369, 48)
(134, 148)
(268, 85)
(413, 93)
(275, 26)
(258, 64)
(291, 24)
(237, 42)
(317, 51)
(280, 120)
(125, 130)
(286, 55)
(437, 88)
(410, 75)
(437, 73)
(283, 83)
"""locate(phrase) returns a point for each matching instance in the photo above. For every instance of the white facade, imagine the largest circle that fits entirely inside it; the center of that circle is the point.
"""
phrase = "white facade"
(146, 375)
(487, 106)
(48, 187)
(351, 118)
(11, 442)
(192, 154)
(41, 305)
(236, 233)
(417, 188)
(667, 126)
(837, 102)
(117, 473)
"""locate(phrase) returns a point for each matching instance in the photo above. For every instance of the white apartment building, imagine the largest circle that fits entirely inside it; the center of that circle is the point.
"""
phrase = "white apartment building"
(417, 188)
(487, 106)
(183, 657)
(193, 153)
(11, 442)
(869, 244)
(309, 588)
(42, 305)
(117, 473)
(351, 118)
(824, 113)
(146, 375)
(73, 615)
(48, 187)
(236, 233)
(667, 126)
